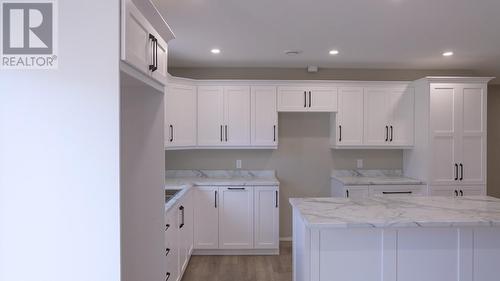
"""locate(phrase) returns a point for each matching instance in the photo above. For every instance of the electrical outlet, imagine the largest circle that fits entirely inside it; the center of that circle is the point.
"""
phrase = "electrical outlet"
(359, 163)
(238, 164)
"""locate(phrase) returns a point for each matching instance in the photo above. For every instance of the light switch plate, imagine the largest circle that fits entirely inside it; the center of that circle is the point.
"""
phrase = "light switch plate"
(359, 163)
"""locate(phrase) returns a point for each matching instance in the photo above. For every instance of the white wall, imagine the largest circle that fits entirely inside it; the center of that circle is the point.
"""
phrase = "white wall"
(59, 155)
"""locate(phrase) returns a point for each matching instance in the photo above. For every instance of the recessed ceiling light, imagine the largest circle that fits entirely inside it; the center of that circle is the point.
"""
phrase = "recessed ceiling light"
(447, 54)
(215, 51)
(333, 52)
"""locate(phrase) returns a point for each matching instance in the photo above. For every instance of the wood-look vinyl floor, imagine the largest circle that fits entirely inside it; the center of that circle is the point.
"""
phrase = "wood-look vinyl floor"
(242, 268)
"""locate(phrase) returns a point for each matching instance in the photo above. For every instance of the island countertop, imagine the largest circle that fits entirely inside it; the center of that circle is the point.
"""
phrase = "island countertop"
(380, 212)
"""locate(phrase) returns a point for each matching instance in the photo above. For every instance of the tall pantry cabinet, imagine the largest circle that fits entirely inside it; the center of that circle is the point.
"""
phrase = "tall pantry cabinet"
(450, 135)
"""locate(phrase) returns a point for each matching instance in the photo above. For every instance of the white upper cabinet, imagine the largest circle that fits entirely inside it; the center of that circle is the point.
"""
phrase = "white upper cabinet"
(224, 116)
(211, 116)
(180, 116)
(237, 116)
(302, 99)
(348, 129)
(142, 47)
(458, 130)
(388, 117)
(264, 120)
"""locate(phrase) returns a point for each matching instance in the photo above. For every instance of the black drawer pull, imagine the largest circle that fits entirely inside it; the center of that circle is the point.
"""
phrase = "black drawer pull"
(167, 250)
(236, 188)
(397, 192)
(167, 226)
(461, 193)
(168, 276)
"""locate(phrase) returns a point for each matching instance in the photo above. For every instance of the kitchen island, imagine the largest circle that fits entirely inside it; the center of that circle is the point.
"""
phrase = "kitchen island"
(396, 239)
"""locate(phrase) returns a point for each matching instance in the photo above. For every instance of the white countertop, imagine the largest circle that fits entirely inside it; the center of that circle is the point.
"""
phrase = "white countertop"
(398, 211)
(186, 179)
(373, 177)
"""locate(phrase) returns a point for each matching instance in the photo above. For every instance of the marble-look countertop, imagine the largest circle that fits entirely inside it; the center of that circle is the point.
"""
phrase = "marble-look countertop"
(396, 212)
(186, 179)
(373, 177)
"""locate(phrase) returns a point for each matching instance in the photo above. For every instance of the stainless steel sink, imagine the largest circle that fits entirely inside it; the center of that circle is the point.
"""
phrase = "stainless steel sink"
(170, 193)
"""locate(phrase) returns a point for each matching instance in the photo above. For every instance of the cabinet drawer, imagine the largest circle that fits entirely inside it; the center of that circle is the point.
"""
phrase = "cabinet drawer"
(398, 190)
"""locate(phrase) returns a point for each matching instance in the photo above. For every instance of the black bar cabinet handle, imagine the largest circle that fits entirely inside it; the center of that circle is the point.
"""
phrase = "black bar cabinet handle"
(392, 133)
(236, 188)
(181, 208)
(310, 98)
(226, 132)
(276, 199)
(456, 171)
(347, 193)
(397, 192)
(461, 193)
(340, 133)
(456, 193)
(156, 54)
(167, 250)
(461, 171)
(221, 128)
(171, 133)
(167, 226)
(305, 99)
(168, 276)
(386, 133)
(215, 199)
(152, 65)
(274, 133)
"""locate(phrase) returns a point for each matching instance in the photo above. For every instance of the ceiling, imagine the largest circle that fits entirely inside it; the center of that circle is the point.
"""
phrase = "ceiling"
(375, 34)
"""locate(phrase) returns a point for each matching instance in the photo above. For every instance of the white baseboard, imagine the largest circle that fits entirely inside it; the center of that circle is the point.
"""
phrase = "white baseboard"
(286, 239)
(228, 252)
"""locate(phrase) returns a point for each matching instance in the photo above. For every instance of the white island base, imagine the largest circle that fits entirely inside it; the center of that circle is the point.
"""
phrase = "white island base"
(361, 253)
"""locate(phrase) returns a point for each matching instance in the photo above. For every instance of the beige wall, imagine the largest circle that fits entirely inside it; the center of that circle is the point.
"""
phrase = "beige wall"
(303, 160)
(494, 140)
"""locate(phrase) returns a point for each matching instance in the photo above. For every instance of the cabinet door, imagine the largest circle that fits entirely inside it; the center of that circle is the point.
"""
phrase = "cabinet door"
(264, 117)
(443, 190)
(180, 116)
(322, 99)
(350, 117)
(185, 231)
(292, 99)
(206, 218)
(266, 228)
(172, 244)
(376, 116)
(236, 218)
(444, 111)
(401, 105)
(161, 74)
(479, 190)
(473, 134)
(136, 44)
(210, 116)
(398, 190)
(237, 116)
(356, 192)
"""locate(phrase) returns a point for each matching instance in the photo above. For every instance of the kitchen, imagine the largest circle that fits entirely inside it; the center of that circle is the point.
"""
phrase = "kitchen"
(197, 153)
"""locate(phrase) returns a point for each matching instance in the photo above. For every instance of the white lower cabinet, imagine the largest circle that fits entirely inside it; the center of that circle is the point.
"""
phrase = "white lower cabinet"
(206, 218)
(179, 237)
(236, 218)
(266, 220)
(457, 191)
(242, 218)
